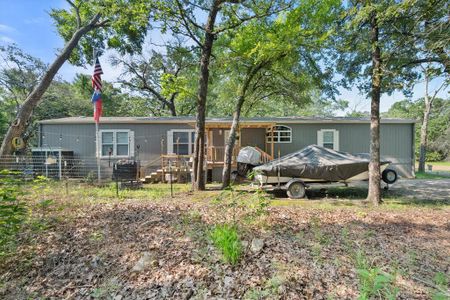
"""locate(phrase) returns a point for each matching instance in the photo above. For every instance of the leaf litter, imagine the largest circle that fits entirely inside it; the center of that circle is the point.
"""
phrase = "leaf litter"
(134, 249)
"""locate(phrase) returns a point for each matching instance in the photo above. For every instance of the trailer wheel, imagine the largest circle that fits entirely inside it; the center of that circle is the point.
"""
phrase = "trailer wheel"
(389, 176)
(296, 190)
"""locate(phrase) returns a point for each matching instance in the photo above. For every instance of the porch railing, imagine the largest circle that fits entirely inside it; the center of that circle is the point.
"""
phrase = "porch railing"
(216, 154)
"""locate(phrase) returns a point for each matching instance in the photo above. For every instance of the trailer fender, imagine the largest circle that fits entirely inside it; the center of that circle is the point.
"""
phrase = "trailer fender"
(286, 186)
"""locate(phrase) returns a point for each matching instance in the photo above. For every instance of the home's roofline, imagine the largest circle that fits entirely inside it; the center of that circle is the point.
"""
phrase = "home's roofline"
(191, 120)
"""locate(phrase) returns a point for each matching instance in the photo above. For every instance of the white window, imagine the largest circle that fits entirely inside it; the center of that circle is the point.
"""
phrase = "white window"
(116, 143)
(180, 141)
(281, 134)
(328, 138)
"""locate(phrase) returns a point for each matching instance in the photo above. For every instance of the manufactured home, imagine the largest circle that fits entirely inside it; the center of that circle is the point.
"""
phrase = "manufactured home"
(152, 140)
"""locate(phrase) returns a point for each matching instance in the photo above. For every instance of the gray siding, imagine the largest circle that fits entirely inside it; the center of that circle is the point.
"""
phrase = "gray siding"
(396, 141)
(80, 138)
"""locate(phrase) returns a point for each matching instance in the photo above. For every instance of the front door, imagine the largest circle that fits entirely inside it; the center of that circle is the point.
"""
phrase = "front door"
(253, 137)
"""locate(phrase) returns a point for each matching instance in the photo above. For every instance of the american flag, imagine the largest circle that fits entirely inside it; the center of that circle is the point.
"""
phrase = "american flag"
(96, 79)
(97, 96)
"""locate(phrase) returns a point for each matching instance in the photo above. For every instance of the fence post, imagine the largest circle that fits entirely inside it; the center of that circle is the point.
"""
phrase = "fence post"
(59, 165)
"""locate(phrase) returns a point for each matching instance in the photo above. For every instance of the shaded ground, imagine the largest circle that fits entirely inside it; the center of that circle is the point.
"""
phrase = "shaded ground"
(423, 189)
(312, 248)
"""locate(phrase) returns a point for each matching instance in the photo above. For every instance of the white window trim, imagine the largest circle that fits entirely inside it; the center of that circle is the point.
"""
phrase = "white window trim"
(335, 138)
(278, 136)
(114, 132)
(170, 141)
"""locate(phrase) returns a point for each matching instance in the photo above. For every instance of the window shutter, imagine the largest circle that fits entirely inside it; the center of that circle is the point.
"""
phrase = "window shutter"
(320, 138)
(336, 140)
(170, 142)
(131, 143)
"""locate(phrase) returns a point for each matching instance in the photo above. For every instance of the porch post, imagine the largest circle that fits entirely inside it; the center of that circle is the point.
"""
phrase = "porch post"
(272, 143)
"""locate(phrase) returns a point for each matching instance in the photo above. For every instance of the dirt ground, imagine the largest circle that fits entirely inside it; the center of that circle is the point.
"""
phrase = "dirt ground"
(421, 189)
(310, 250)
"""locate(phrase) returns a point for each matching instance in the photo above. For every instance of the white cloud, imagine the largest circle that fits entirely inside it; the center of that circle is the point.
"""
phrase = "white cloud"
(6, 29)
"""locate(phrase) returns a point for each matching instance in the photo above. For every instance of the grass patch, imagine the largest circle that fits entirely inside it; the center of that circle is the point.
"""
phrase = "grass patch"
(428, 175)
(439, 163)
(80, 193)
(373, 282)
(226, 238)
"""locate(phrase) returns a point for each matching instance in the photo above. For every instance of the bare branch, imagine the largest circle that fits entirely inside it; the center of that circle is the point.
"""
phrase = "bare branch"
(186, 21)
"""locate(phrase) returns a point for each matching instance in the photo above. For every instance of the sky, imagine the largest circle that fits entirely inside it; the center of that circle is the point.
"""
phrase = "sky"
(28, 24)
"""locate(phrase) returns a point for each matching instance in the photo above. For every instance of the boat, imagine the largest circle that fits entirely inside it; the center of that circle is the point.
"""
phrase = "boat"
(315, 164)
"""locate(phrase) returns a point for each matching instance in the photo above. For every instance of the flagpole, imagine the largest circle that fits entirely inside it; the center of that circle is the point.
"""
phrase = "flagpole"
(98, 151)
(97, 136)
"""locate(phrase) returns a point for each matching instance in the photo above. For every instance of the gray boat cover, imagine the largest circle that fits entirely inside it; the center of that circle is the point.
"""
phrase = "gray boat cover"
(317, 162)
(249, 155)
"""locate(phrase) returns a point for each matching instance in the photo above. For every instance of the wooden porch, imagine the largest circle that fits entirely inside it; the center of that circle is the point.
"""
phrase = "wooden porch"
(215, 150)
(180, 166)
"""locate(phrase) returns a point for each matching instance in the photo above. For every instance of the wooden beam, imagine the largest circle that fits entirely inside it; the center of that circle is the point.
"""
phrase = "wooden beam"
(273, 145)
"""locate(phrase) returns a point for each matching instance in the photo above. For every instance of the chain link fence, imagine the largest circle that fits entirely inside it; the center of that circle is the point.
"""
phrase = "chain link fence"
(58, 166)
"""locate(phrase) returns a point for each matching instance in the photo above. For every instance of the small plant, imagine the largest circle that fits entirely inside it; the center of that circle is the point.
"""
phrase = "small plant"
(319, 236)
(90, 178)
(441, 282)
(12, 212)
(270, 290)
(373, 282)
(225, 237)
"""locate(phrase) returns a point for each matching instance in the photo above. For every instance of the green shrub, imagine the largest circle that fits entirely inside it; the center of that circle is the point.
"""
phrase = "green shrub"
(434, 156)
(12, 212)
(225, 237)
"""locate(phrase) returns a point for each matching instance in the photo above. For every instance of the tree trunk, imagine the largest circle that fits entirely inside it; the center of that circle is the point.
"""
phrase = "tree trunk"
(172, 107)
(20, 124)
(199, 152)
(374, 194)
(226, 174)
(424, 127)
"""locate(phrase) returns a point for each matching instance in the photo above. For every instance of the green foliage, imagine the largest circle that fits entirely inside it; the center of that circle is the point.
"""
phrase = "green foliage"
(438, 124)
(90, 178)
(164, 79)
(441, 282)
(226, 238)
(373, 282)
(432, 156)
(352, 44)
(280, 55)
(12, 211)
(240, 206)
(122, 26)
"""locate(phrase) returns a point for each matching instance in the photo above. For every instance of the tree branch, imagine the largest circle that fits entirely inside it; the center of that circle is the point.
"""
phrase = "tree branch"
(186, 20)
(77, 12)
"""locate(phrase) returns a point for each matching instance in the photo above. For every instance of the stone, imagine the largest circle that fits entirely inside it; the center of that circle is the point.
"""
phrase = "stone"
(96, 261)
(244, 244)
(142, 263)
(257, 245)
(228, 281)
